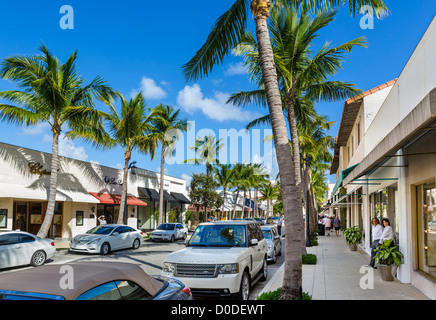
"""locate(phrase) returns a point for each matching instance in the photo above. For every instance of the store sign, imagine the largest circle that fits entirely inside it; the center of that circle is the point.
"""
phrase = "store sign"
(37, 168)
(109, 180)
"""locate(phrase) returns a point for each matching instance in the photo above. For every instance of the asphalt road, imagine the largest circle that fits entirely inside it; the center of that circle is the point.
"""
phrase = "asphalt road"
(150, 255)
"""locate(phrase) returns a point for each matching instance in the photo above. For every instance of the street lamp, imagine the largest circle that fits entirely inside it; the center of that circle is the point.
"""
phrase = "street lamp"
(132, 169)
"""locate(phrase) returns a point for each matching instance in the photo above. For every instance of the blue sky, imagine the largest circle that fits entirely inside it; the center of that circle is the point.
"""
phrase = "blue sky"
(141, 46)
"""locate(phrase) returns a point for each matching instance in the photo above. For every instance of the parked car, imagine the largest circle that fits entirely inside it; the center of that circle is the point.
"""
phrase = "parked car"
(432, 225)
(258, 220)
(19, 248)
(106, 238)
(90, 281)
(271, 220)
(274, 243)
(169, 232)
(221, 259)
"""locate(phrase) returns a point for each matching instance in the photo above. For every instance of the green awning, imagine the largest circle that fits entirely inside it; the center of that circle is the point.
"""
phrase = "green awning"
(343, 175)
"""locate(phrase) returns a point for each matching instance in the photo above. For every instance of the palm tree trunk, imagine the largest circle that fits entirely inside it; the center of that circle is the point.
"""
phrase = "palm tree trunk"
(297, 166)
(122, 216)
(236, 201)
(45, 226)
(224, 201)
(243, 205)
(292, 280)
(250, 213)
(161, 186)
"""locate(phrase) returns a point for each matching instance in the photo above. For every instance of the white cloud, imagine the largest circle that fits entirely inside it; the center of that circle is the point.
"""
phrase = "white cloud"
(69, 150)
(150, 89)
(192, 100)
(236, 69)
(38, 129)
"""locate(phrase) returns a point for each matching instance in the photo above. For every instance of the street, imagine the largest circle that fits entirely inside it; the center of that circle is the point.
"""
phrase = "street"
(150, 255)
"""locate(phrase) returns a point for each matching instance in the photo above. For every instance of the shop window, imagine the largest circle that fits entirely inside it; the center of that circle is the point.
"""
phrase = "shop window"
(79, 218)
(3, 218)
(426, 205)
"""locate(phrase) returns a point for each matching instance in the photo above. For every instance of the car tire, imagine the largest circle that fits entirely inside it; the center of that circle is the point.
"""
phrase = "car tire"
(173, 239)
(264, 270)
(244, 290)
(105, 248)
(274, 257)
(38, 258)
(136, 243)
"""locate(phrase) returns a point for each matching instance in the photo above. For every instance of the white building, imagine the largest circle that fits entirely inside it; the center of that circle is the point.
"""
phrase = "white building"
(85, 191)
(385, 163)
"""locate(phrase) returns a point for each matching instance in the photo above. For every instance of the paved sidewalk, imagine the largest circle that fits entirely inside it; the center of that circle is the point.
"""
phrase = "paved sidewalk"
(337, 275)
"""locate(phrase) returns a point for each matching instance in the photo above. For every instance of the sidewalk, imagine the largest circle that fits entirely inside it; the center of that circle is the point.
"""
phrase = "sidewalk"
(337, 276)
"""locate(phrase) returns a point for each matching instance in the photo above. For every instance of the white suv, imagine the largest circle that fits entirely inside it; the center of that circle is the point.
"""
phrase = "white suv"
(223, 258)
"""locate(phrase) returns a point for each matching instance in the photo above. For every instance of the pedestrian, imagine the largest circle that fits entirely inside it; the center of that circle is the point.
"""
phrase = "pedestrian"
(388, 232)
(327, 224)
(102, 219)
(377, 231)
(337, 224)
(279, 226)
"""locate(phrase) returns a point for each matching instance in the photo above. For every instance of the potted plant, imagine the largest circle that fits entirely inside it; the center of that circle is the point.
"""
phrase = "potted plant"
(388, 258)
(353, 236)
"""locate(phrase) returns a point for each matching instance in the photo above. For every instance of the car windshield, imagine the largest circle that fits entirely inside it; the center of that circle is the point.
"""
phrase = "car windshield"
(166, 226)
(219, 236)
(267, 234)
(100, 230)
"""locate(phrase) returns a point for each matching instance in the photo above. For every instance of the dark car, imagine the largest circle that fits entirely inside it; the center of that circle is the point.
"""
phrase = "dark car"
(90, 281)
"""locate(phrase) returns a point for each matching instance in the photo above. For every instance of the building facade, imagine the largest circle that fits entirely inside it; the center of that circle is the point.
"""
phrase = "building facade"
(386, 165)
(85, 192)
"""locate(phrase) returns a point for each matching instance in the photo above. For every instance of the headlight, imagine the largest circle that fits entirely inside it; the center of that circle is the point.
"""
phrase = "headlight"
(270, 246)
(169, 267)
(94, 241)
(228, 268)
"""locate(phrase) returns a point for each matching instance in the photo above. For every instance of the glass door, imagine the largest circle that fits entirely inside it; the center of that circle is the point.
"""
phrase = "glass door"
(426, 208)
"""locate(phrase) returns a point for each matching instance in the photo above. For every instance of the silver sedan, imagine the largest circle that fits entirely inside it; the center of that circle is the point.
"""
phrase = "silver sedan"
(169, 232)
(19, 248)
(106, 238)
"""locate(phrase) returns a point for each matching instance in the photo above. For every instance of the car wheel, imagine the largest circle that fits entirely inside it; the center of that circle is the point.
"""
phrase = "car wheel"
(264, 270)
(173, 238)
(244, 290)
(105, 248)
(280, 251)
(38, 258)
(136, 243)
(274, 257)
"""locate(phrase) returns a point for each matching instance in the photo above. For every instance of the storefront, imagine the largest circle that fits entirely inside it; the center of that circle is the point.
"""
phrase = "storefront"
(85, 192)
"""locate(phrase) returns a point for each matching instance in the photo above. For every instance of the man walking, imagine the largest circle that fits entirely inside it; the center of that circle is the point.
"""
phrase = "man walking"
(377, 231)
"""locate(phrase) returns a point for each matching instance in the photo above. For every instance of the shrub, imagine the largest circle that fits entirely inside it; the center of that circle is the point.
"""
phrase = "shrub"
(309, 258)
(275, 295)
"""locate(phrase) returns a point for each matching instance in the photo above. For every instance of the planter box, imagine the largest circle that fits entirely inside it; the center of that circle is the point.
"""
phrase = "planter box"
(387, 272)
(353, 247)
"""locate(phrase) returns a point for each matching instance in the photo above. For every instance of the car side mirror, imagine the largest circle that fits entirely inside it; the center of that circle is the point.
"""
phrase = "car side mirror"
(277, 237)
(254, 242)
(115, 233)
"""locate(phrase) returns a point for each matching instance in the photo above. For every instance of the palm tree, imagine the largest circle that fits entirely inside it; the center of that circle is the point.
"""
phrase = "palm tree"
(269, 193)
(53, 93)
(226, 33)
(126, 130)
(223, 176)
(206, 152)
(237, 182)
(164, 129)
(302, 73)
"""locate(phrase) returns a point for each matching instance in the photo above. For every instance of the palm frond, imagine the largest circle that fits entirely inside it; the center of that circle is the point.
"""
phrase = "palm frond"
(225, 34)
